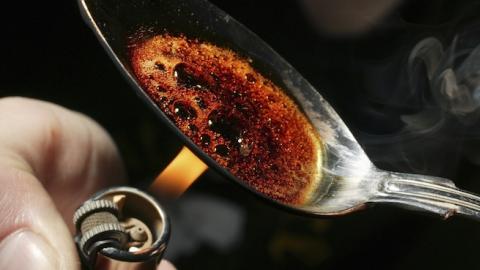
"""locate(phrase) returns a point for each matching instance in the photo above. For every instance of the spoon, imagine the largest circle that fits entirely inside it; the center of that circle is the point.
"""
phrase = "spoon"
(349, 180)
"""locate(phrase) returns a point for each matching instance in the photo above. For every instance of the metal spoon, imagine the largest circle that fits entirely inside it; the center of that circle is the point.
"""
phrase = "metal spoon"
(349, 179)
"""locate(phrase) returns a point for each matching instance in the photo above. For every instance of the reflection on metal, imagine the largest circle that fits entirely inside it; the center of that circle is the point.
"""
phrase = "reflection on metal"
(349, 181)
(121, 228)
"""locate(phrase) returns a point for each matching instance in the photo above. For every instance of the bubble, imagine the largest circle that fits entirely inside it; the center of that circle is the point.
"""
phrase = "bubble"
(205, 140)
(184, 111)
(250, 78)
(201, 104)
(227, 127)
(244, 108)
(160, 89)
(160, 66)
(222, 150)
(187, 78)
(193, 128)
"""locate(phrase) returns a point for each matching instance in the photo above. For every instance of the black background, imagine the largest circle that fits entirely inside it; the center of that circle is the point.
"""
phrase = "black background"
(48, 53)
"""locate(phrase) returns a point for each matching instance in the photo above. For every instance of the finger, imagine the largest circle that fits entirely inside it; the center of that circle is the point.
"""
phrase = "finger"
(43, 148)
(32, 232)
(166, 265)
(68, 153)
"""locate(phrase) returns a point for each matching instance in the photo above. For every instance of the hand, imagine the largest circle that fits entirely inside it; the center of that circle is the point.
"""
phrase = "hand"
(51, 160)
(347, 17)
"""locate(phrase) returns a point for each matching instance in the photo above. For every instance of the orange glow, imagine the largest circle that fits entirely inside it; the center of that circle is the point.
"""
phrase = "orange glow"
(182, 171)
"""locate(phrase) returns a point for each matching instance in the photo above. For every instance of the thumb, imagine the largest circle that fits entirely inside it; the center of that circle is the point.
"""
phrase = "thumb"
(33, 231)
(27, 250)
(51, 159)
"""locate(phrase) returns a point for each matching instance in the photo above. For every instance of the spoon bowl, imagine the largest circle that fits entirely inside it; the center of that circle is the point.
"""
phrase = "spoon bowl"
(348, 180)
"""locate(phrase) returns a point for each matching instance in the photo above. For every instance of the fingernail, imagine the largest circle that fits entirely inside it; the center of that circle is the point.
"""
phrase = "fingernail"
(26, 250)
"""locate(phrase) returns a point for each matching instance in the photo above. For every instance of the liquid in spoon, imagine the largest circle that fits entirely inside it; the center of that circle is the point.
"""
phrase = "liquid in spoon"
(242, 120)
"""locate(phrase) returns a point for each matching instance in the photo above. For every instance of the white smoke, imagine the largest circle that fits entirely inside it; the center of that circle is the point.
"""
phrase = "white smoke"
(453, 74)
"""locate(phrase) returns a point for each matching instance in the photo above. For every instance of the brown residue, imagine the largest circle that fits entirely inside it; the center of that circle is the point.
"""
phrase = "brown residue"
(233, 113)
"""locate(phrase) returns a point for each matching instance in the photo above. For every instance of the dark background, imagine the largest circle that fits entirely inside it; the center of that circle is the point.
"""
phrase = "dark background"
(48, 53)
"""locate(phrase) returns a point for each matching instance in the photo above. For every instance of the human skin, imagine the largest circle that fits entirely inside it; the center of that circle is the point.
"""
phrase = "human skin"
(347, 17)
(51, 160)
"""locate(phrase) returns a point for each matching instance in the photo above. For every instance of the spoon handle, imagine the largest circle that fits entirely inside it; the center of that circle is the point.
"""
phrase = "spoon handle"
(427, 193)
